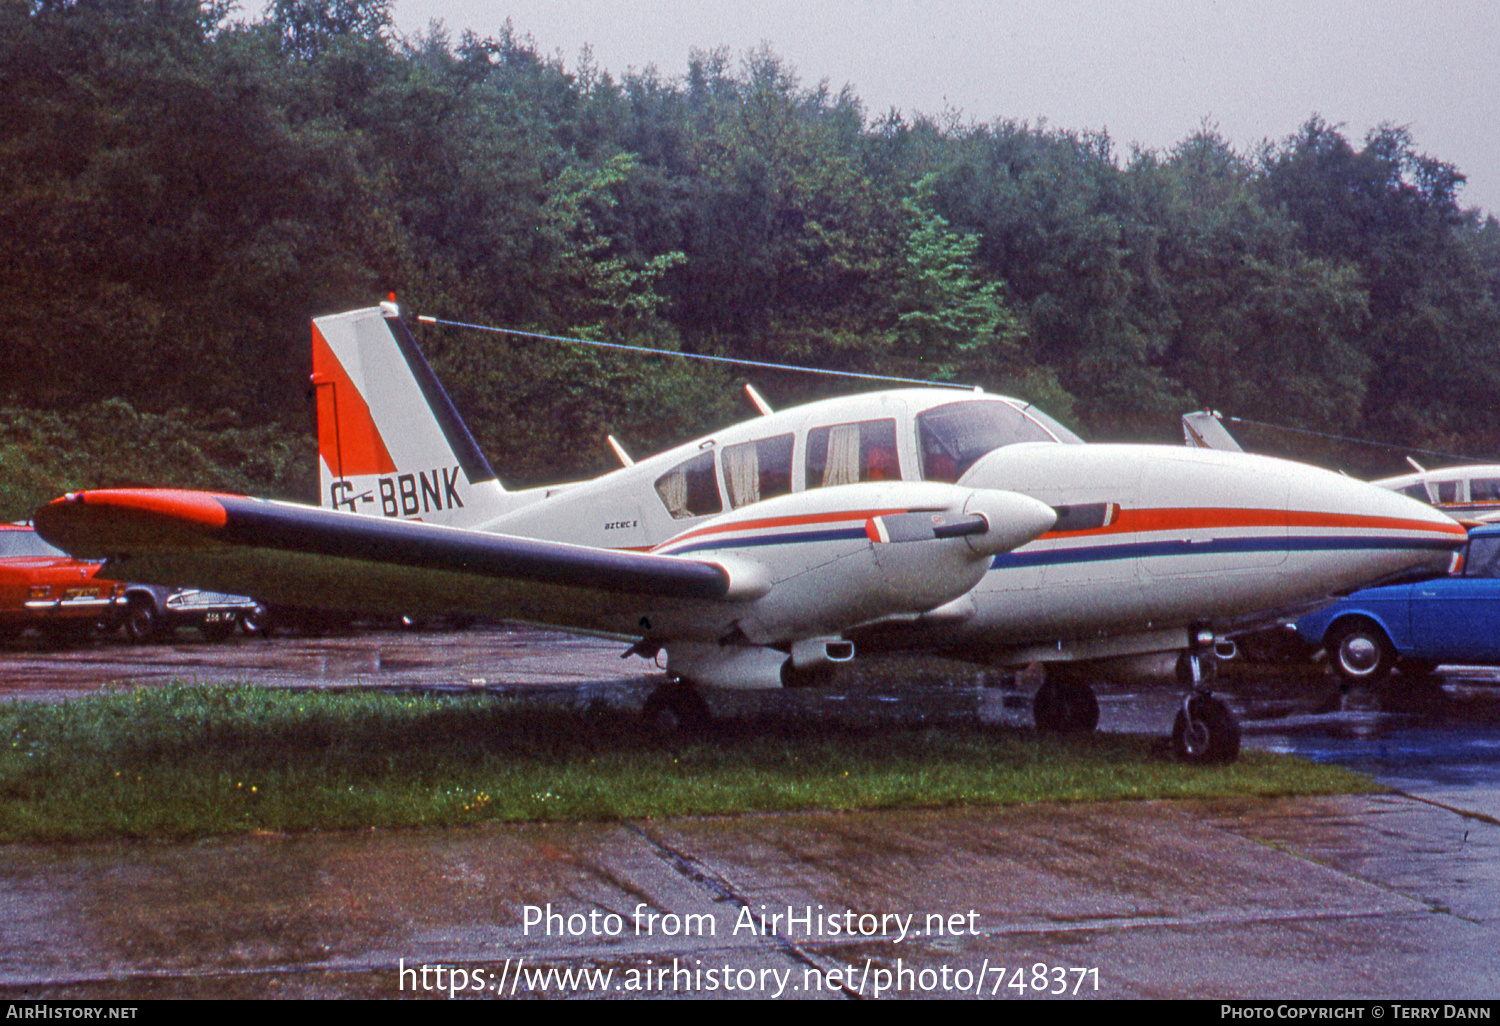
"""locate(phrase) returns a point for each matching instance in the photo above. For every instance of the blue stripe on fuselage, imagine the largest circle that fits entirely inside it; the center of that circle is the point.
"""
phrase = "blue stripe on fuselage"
(1217, 546)
(799, 538)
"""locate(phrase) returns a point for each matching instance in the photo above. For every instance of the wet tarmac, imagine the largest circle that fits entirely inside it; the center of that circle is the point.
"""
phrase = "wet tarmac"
(1382, 896)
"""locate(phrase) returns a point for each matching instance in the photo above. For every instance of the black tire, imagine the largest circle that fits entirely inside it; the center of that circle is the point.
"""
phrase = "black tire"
(1360, 653)
(257, 621)
(1212, 735)
(676, 708)
(141, 622)
(1065, 707)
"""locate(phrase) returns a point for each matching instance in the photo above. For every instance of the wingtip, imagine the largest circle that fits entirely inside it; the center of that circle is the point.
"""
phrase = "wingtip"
(205, 508)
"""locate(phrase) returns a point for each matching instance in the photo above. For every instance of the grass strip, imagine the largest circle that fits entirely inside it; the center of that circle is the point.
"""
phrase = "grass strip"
(191, 761)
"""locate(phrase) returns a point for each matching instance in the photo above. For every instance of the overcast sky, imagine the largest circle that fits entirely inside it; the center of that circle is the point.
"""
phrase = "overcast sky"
(1148, 73)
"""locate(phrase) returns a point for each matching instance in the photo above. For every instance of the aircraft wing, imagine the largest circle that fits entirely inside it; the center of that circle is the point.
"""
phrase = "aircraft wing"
(877, 549)
(302, 555)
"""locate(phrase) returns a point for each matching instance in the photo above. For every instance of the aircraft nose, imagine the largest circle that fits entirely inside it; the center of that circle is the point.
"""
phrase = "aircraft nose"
(1014, 519)
(1375, 532)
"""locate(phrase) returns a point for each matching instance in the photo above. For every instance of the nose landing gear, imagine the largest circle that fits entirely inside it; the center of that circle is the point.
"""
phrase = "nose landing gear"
(1205, 731)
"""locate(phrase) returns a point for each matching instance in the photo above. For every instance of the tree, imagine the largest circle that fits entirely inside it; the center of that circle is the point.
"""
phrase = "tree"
(309, 28)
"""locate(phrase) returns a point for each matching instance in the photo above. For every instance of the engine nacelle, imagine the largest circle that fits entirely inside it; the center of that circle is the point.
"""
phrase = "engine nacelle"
(814, 564)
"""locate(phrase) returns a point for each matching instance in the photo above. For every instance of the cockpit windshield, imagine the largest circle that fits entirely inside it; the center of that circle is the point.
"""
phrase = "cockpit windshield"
(952, 438)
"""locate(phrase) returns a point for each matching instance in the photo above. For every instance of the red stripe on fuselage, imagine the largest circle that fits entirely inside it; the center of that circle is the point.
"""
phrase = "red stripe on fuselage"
(1129, 521)
(773, 522)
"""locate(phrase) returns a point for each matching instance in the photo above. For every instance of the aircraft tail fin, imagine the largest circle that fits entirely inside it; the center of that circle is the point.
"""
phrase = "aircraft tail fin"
(1206, 430)
(390, 442)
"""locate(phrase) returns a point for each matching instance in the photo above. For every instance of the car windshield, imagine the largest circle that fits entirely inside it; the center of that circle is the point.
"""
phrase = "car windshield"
(952, 438)
(25, 543)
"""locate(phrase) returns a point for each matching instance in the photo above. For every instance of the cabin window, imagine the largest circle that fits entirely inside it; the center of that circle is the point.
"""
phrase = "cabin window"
(1447, 491)
(1484, 557)
(952, 438)
(846, 453)
(758, 470)
(1484, 489)
(1416, 491)
(691, 489)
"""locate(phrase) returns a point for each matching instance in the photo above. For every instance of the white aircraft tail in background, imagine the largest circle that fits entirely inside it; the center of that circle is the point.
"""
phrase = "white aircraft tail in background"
(1205, 430)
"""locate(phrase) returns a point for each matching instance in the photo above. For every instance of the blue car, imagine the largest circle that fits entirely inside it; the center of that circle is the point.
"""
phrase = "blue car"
(1453, 619)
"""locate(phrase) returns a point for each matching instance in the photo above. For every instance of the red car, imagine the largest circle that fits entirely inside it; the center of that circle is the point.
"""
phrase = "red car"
(41, 586)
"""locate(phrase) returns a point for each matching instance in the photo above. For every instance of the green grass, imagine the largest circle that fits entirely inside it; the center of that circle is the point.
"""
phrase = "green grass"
(186, 761)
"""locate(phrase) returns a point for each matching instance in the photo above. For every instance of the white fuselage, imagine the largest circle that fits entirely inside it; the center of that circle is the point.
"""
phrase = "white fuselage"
(1196, 538)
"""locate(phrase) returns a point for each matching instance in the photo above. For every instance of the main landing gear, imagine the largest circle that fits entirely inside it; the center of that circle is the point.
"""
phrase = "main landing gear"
(676, 707)
(1204, 732)
(1065, 704)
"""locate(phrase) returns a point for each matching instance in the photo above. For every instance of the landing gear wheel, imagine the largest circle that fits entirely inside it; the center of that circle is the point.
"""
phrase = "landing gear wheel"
(1361, 653)
(1206, 731)
(676, 708)
(140, 621)
(1065, 707)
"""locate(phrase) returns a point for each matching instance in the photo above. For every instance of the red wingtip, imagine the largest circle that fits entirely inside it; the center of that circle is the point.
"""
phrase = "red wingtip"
(198, 507)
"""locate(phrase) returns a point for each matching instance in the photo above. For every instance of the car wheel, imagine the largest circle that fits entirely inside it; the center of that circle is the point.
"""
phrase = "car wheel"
(1360, 652)
(141, 621)
(1205, 731)
(257, 621)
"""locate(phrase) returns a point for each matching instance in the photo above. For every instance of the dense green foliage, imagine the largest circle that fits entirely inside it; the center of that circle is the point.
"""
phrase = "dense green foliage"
(186, 761)
(180, 192)
(110, 445)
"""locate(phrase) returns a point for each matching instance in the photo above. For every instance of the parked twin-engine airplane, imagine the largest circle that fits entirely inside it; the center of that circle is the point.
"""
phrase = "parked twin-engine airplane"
(761, 555)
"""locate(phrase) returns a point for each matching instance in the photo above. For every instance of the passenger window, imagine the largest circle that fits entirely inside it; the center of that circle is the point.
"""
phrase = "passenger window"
(952, 438)
(758, 470)
(846, 453)
(691, 489)
(1484, 489)
(1447, 491)
(1484, 558)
